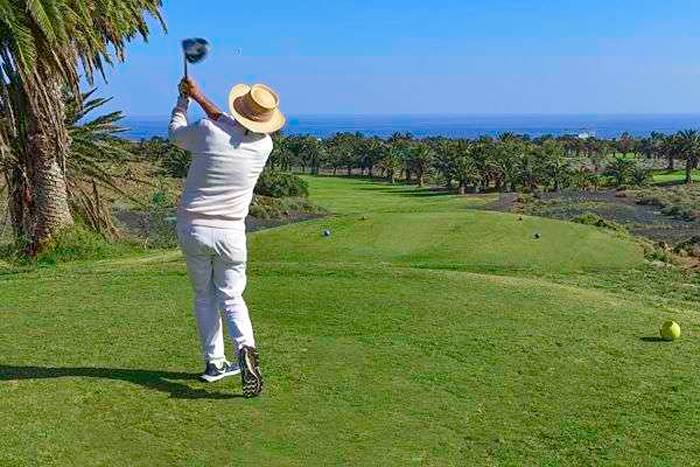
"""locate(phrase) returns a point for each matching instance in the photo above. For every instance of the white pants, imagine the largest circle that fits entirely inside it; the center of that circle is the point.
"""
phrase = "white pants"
(216, 262)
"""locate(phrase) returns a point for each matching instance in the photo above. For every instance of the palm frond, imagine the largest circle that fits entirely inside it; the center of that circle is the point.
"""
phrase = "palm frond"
(95, 158)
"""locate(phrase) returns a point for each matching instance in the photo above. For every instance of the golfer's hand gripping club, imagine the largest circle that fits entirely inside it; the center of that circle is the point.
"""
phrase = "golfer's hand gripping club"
(189, 88)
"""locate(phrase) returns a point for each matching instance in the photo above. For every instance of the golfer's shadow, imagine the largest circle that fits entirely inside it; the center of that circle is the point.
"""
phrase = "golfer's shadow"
(163, 381)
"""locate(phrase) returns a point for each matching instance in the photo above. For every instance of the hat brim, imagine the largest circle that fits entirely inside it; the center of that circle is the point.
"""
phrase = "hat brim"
(269, 126)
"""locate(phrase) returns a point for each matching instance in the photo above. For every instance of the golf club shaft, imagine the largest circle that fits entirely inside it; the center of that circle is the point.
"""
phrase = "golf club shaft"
(185, 60)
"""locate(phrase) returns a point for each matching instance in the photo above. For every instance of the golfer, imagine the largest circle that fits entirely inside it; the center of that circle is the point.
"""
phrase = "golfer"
(229, 151)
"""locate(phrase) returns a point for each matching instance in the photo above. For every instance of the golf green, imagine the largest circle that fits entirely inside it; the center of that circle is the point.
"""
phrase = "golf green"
(422, 331)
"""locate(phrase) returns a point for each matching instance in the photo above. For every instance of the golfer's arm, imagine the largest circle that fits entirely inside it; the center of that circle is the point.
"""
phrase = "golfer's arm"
(212, 111)
(180, 132)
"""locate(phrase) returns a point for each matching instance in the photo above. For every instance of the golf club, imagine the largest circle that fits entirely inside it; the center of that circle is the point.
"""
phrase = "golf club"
(194, 50)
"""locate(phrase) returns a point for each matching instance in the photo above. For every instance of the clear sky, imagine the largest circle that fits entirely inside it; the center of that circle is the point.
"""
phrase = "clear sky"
(409, 56)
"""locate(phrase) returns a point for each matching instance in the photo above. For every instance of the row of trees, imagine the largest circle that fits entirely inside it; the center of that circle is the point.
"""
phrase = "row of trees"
(507, 163)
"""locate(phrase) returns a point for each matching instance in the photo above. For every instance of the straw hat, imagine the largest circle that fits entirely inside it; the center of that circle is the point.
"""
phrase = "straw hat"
(256, 107)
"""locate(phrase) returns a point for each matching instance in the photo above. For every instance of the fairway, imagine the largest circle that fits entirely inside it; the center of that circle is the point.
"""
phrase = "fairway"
(661, 177)
(423, 331)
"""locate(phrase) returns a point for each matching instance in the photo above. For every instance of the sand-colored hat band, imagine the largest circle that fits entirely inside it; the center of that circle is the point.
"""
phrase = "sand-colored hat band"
(246, 106)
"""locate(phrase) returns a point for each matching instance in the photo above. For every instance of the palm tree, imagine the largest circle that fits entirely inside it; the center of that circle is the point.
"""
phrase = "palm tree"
(42, 43)
(456, 161)
(392, 162)
(640, 174)
(421, 158)
(467, 168)
(443, 162)
(507, 152)
(620, 168)
(626, 144)
(662, 147)
(482, 153)
(343, 150)
(282, 155)
(688, 145)
(313, 152)
(376, 149)
(555, 165)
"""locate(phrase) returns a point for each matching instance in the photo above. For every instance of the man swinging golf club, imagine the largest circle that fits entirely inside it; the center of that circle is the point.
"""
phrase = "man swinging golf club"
(229, 151)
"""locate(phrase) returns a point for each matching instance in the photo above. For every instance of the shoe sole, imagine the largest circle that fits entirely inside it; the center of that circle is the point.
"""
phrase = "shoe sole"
(251, 380)
(213, 379)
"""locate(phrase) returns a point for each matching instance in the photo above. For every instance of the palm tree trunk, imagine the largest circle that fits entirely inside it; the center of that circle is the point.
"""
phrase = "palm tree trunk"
(462, 188)
(48, 144)
(689, 166)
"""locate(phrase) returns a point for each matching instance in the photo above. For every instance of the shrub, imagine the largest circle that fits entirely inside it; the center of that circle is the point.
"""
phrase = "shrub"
(658, 255)
(680, 202)
(173, 161)
(281, 185)
(689, 247)
(593, 219)
(79, 243)
(640, 174)
(160, 228)
(623, 170)
(525, 198)
(265, 207)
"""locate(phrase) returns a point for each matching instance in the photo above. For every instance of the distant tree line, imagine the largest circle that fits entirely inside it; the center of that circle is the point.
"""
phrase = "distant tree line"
(508, 162)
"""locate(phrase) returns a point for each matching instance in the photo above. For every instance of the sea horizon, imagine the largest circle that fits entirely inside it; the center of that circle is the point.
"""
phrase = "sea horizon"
(465, 125)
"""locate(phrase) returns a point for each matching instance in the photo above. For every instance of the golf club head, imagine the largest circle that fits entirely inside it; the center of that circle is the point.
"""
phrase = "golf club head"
(195, 49)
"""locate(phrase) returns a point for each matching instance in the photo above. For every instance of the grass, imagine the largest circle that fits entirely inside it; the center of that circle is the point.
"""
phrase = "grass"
(426, 334)
(668, 177)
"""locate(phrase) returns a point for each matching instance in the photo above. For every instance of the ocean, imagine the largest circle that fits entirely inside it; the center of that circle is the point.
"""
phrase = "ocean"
(458, 126)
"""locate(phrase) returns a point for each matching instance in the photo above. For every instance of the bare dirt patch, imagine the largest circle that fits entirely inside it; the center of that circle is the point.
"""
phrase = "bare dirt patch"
(642, 220)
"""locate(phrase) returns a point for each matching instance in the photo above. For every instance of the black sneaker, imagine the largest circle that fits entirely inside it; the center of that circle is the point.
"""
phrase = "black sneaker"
(250, 371)
(215, 373)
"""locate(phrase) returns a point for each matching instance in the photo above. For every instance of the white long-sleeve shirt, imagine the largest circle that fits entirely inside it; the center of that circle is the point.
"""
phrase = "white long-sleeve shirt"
(226, 164)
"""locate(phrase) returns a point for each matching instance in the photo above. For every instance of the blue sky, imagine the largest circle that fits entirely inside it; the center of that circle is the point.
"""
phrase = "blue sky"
(390, 56)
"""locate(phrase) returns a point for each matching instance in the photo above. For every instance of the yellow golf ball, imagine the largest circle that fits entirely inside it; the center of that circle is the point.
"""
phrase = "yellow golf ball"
(670, 331)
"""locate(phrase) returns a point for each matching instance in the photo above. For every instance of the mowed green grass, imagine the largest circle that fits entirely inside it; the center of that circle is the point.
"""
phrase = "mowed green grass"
(433, 230)
(673, 176)
(428, 333)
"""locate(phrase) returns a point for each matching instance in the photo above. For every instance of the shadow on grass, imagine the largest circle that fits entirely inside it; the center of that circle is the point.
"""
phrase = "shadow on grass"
(413, 192)
(162, 381)
(426, 194)
(652, 339)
